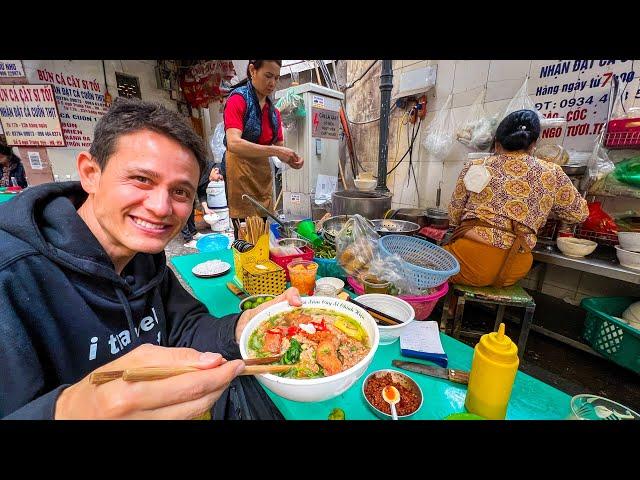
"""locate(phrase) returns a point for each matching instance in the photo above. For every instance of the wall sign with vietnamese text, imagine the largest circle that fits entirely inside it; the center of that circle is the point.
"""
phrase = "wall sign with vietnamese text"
(579, 91)
(11, 69)
(29, 116)
(81, 103)
(325, 123)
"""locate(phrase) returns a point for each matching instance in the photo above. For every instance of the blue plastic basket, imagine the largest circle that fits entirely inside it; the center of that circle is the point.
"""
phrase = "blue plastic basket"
(417, 252)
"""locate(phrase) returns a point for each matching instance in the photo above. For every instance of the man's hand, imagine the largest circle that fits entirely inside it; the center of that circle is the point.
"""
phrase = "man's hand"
(184, 396)
(297, 163)
(291, 295)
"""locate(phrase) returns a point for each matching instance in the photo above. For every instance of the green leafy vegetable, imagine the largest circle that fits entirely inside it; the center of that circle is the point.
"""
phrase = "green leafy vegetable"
(337, 414)
(292, 355)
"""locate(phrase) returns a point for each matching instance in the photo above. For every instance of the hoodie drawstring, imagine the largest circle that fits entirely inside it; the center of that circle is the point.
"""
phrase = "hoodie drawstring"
(128, 314)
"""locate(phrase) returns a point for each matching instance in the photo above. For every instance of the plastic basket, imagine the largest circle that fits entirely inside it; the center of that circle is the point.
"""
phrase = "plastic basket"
(283, 260)
(610, 337)
(267, 280)
(329, 267)
(258, 253)
(416, 253)
(423, 305)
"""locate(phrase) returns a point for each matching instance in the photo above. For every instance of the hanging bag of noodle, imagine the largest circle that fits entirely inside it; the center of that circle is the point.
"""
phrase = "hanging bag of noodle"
(479, 128)
(522, 101)
(440, 133)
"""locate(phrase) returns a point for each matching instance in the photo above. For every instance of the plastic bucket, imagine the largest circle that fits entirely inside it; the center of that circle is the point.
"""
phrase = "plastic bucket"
(222, 224)
(215, 195)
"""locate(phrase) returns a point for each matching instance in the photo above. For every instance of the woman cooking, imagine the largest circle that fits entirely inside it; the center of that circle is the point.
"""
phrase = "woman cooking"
(253, 133)
(501, 201)
(11, 167)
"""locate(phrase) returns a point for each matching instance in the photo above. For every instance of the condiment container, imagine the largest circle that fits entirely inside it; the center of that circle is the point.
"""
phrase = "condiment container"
(493, 371)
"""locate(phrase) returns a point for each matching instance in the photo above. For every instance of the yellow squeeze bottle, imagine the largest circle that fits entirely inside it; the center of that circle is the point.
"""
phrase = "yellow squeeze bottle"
(493, 371)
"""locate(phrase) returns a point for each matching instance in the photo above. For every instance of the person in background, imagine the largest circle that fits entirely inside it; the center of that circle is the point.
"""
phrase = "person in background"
(211, 173)
(500, 202)
(85, 286)
(253, 133)
(11, 167)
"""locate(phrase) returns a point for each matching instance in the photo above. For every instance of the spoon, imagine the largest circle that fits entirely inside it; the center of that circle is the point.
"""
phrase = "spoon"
(391, 395)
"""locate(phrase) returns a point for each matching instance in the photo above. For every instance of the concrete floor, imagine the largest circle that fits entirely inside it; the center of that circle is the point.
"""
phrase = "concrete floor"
(562, 366)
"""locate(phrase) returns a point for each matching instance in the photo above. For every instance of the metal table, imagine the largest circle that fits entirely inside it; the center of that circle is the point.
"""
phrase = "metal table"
(604, 264)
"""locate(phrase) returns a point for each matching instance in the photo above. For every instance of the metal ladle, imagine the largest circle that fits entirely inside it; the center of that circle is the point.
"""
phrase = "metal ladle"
(391, 395)
(287, 227)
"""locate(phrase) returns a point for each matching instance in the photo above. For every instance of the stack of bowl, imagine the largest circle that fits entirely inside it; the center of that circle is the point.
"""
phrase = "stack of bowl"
(628, 251)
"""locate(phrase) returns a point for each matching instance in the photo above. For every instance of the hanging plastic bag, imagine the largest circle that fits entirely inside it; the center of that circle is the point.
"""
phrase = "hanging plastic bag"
(356, 245)
(217, 142)
(479, 128)
(599, 221)
(628, 171)
(600, 166)
(291, 107)
(522, 101)
(440, 133)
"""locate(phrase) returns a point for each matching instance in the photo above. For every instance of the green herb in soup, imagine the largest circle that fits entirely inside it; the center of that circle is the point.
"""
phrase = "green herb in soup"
(319, 342)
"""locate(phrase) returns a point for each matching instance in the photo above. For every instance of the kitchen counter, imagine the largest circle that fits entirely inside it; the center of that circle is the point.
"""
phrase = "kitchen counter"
(603, 264)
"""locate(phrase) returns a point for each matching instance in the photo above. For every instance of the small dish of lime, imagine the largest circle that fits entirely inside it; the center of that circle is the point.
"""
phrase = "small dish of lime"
(254, 301)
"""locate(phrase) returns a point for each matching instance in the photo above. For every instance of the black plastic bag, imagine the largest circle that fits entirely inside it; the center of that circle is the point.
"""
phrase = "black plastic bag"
(245, 399)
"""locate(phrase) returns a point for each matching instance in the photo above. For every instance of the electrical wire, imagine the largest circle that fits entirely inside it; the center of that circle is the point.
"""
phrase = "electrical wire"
(361, 76)
(370, 121)
(405, 153)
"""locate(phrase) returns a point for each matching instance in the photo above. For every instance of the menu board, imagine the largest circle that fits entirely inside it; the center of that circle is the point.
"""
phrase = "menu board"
(29, 116)
(80, 99)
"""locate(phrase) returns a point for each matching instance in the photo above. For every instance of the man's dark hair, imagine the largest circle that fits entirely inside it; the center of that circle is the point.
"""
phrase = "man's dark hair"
(518, 130)
(129, 115)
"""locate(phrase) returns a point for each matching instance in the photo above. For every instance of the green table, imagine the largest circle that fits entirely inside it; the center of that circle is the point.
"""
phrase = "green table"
(5, 197)
(531, 399)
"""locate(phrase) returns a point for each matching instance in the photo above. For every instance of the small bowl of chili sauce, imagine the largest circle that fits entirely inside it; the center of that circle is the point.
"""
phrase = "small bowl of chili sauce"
(410, 393)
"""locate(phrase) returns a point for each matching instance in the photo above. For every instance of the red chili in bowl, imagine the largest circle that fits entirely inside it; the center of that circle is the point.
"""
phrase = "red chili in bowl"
(409, 401)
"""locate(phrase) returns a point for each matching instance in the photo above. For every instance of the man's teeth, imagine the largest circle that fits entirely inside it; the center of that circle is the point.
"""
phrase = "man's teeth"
(142, 223)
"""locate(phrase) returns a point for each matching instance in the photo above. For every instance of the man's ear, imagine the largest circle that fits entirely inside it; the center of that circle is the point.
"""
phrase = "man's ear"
(89, 172)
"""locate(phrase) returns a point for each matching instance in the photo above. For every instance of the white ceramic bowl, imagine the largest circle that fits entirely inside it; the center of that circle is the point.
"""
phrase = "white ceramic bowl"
(628, 259)
(575, 247)
(394, 306)
(365, 184)
(315, 389)
(333, 281)
(629, 241)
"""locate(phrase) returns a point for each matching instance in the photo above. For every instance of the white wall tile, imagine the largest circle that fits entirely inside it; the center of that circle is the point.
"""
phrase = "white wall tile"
(562, 277)
(503, 89)
(467, 97)
(444, 84)
(470, 74)
(508, 69)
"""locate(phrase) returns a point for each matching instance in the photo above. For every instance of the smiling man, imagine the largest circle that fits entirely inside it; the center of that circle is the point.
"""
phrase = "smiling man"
(85, 286)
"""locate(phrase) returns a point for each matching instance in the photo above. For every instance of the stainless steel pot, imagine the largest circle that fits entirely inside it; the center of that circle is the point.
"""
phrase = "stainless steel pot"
(437, 218)
(398, 227)
(368, 204)
(415, 215)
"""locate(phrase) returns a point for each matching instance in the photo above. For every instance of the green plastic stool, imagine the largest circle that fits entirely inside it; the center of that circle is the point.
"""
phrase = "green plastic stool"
(513, 296)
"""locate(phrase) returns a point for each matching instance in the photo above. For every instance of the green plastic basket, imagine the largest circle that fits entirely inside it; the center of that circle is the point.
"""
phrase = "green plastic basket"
(610, 337)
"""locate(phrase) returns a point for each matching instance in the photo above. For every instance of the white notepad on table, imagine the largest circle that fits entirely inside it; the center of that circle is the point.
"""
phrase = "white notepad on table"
(421, 339)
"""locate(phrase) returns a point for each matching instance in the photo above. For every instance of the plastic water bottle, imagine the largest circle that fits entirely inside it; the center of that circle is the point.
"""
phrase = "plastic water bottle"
(493, 371)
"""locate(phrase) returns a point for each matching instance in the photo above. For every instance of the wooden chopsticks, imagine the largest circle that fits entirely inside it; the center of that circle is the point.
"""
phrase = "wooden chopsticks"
(377, 314)
(157, 373)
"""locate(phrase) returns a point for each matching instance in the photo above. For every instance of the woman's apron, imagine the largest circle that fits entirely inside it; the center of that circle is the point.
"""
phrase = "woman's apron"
(518, 244)
(251, 176)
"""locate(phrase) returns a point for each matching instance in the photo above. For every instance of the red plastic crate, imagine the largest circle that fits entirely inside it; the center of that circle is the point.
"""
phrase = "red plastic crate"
(283, 261)
(623, 133)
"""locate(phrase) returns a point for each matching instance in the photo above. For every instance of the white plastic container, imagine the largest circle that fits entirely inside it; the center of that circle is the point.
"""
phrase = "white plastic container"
(215, 195)
(222, 224)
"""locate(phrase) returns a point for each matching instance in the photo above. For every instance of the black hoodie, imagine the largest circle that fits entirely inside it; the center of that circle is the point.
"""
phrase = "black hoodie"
(65, 312)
